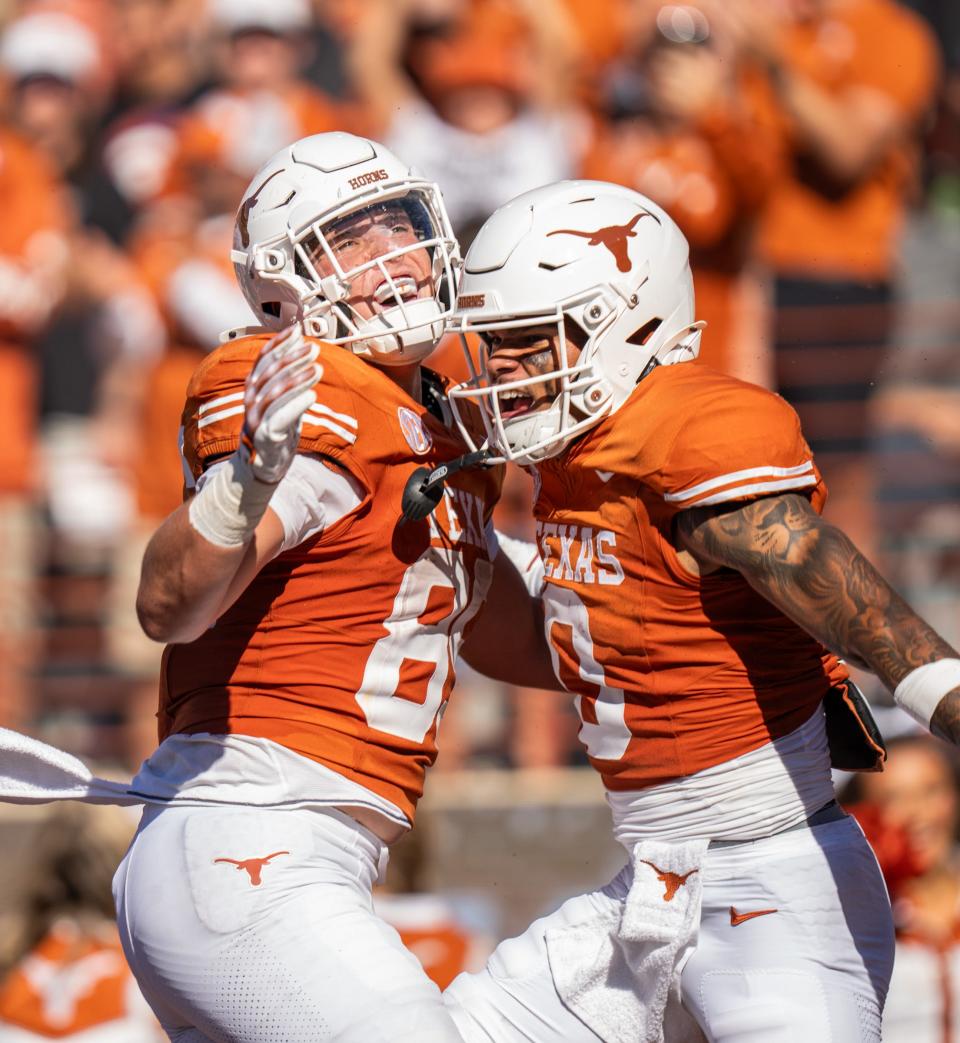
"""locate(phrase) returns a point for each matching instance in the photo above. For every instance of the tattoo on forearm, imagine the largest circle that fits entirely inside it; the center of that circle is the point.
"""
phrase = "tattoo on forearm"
(946, 718)
(814, 574)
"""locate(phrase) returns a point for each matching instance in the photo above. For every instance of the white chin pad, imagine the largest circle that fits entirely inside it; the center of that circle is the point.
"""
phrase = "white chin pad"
(400, 335)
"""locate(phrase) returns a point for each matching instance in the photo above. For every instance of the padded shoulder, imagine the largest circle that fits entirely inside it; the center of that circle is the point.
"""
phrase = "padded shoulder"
(736, 443)
(698, 437)
(214, 410)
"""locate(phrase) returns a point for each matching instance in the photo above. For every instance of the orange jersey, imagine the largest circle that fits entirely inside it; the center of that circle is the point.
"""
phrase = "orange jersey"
(342, 648)
(674, 673)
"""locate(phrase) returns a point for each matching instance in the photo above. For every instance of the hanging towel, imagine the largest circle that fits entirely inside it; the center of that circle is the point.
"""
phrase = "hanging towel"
(619, 972)
(31, 772)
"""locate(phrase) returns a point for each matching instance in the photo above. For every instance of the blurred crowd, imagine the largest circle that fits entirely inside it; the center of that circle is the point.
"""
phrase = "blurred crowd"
(809, 149)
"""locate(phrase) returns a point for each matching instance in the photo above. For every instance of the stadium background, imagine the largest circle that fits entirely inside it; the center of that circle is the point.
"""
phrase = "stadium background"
(128, 129)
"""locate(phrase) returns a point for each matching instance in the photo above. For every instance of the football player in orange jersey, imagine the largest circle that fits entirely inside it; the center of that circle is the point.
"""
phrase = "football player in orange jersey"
(311, 636)
(696, 604)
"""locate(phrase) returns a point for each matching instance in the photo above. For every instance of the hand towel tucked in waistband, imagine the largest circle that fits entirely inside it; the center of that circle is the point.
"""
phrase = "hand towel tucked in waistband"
(31, 772)
(618, 974)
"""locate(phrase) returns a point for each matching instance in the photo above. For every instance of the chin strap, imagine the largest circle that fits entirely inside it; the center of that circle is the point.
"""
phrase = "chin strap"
(424, 487)
(648, 369)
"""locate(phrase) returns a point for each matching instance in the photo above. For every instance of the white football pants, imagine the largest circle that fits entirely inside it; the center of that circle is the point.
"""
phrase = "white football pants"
(245, 925)
(816, 969)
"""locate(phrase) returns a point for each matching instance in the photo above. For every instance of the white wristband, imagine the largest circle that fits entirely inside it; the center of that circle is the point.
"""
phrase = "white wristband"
(231, 503)
(920, 692)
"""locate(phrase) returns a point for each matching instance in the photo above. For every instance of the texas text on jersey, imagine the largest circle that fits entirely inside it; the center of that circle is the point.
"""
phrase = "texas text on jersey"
(712, 669)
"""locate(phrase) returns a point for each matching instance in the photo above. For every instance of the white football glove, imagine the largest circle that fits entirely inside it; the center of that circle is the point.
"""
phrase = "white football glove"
(278, 392)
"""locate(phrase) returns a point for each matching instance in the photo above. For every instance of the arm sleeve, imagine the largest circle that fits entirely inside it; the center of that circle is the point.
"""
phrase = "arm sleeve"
(311, 496)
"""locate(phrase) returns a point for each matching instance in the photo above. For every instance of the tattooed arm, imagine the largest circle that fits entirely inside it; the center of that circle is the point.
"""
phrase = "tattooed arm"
(814, 574)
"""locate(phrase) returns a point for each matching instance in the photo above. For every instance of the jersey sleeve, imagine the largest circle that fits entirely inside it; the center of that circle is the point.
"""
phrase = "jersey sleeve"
(735, 447)
(213, 414)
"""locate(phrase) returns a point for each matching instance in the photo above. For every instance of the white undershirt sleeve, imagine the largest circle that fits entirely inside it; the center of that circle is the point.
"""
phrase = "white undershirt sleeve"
(310, 497)
(525, 557)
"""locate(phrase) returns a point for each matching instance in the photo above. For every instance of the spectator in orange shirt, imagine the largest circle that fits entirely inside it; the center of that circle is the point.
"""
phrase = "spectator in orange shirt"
(260, 103)
(42, 121)
(160, 58)
(692, 124)
(854, 79)
(32, 254)
(182, 244)
(103, 325)
(478, 94)
(186, 264)
(71, 981)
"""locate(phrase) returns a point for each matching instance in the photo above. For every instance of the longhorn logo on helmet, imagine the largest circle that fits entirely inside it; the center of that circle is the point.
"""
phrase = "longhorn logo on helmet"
(613, 237)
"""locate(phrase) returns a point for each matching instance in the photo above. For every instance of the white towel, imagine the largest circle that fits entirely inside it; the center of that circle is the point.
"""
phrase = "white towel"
(31, 772)
(618, 973)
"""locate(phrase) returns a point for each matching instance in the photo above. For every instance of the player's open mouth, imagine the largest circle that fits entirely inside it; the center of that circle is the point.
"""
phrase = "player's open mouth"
(402, 287)
(514, 403)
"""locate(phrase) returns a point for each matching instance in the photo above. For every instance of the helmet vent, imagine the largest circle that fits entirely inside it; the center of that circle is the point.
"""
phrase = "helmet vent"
(282, 202)
(548, 267)
(640, 337)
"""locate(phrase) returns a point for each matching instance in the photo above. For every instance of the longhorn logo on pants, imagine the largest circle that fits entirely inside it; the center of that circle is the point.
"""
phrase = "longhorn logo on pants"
(252, 866)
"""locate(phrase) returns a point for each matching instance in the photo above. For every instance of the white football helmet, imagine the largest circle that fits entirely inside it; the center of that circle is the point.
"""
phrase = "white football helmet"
(598, 256)
(289, 210)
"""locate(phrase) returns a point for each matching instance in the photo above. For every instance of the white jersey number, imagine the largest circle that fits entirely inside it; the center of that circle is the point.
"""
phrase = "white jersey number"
(609, 737)
(437, 574)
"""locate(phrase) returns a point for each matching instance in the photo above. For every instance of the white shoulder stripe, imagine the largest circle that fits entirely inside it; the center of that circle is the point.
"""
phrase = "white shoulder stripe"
(343, 418)
(215, 403)
(739, 491)
(315, 421)
(231, 411)
(738, 476)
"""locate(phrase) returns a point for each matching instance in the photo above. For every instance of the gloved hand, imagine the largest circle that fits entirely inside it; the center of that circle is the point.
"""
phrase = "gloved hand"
(278, 392)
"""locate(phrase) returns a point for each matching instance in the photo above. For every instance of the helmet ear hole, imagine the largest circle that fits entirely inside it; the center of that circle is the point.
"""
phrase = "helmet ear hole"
(641, 336)
(271, 308)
